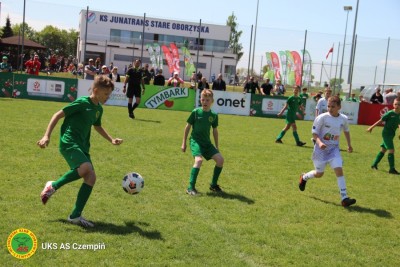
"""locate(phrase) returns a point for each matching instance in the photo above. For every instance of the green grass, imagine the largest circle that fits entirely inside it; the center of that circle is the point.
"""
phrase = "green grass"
(262, 219)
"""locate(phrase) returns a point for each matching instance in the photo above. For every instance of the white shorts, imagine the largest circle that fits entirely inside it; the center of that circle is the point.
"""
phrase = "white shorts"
(335, 162)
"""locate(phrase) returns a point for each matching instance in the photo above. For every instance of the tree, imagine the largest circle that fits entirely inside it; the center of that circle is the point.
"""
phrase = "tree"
(234, 37)
(29, 32)
(7, 31)
(55, 39)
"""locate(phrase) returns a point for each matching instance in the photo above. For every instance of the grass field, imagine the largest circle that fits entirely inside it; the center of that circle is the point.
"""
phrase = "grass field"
(262, 219)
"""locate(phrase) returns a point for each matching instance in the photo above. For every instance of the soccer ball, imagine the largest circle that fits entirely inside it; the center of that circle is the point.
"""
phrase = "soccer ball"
(132, 183)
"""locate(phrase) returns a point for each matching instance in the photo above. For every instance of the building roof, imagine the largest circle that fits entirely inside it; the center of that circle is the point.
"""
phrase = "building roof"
(16, 40)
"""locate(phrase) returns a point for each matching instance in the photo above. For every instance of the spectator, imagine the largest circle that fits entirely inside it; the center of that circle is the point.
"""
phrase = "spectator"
(279, 88)
(104, 70)
(266, 87)
(4, 66)
(377, 98)
(114, 76)
(175, 81)
(159, 79)
(97, 63)
(90, 70)
(33, 65)
(203, 84)
(390, 96)
(147, 75)
(193, 80)
(251, 86)
(219, 84)
(353, 98)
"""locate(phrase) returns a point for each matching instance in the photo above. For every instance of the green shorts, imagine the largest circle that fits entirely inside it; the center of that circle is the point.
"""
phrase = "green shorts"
(290, 118)
(207, 151)
(387, 143)
(75, 157)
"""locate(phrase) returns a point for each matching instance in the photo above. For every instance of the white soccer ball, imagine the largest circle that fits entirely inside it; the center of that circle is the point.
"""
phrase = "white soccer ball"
(132, 183)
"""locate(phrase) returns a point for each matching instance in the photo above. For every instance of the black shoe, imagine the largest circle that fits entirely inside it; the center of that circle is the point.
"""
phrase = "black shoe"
(300, 143)
(215, 188)
(302, 183)
(312, 139)
(393, 171)
(131, 115)
(348, 202)
(278, 141)
(374, 167)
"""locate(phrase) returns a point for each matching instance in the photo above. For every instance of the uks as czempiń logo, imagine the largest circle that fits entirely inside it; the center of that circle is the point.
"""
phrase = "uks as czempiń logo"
(22, 243)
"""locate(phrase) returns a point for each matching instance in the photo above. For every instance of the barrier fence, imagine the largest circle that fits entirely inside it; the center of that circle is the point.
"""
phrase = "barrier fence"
(174, 98)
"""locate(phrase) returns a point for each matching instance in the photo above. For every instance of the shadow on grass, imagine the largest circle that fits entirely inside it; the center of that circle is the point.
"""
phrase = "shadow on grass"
(147, 120)
(357, 208)
(226, 195)
(113, 229)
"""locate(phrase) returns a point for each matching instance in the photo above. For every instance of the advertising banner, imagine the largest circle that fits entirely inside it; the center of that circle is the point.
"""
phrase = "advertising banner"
(155, 97)
(44, 88)
(371, 113)
(229, 102)
(266, 106)
(350, 109)
(6, 84)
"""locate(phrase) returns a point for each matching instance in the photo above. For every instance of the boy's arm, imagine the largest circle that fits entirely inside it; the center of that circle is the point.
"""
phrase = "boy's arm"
(103, 132)
(283, 110)
(215, 134)
(185, 135)
(42, 143)
(349, 147)
(374, 125)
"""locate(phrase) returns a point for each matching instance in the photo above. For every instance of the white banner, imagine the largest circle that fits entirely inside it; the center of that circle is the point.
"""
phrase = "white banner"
(229, 102)
(350, 109)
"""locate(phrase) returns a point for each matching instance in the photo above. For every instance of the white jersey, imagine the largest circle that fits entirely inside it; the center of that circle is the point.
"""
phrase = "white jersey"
(328, 129)
(322, 105)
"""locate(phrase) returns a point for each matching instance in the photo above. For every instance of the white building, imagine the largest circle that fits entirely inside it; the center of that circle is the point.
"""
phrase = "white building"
(117, 38)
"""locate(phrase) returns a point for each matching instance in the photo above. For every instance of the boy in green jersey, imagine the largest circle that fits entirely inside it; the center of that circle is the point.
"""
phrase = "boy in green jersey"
(79, 116)
(392, 121)
(201, 120)
(293, 104)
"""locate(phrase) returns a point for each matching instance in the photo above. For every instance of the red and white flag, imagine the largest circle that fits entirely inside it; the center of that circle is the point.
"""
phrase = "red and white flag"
(330, 51)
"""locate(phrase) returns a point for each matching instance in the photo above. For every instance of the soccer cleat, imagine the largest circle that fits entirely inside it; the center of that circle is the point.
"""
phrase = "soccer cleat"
(312, 140)
(191, 192)
(47, 192)
(374, 167)
(393, 171)
(215, 188)
(348, 202)
(131, 115)
(278, 141)
(302, 183)
(300, 143)
(80, 221)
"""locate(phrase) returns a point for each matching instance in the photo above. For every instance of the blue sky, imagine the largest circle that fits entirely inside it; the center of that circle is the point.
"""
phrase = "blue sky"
(376, 19)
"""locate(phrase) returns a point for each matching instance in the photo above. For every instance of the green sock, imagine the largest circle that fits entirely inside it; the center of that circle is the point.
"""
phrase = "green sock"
(193, 177)
(83, 196)
(378, 158)
(296, 137)
(217, 172)
(68, 177)
(391, 161)
(281, 135)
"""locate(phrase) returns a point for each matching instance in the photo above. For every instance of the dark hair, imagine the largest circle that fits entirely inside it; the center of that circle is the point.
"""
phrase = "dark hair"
(335, 99)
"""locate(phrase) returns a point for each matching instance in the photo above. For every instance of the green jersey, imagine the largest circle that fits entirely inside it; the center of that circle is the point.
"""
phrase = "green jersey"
(80, 115)
(303, 97)
(201, 122)
(293, 103)
(392, 121)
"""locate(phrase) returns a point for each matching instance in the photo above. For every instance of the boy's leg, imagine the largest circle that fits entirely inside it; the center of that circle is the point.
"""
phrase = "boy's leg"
(217, 172)
(219, 163)
(82, 198)
(337, 167)
(378, 158)
(281, 135)
(69, 176)
(392, 170)
(193, 178)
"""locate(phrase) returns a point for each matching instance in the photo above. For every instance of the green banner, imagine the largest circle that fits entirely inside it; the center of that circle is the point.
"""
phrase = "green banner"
(40, 87)
(171, 98)
(6, 84)
(266, 106)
